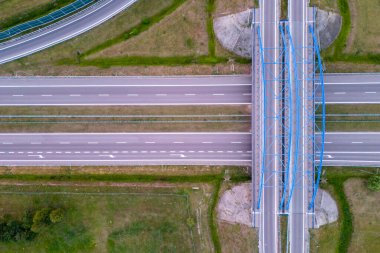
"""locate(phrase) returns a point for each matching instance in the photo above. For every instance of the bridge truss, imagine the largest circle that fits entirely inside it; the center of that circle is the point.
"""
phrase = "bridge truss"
(299, 91)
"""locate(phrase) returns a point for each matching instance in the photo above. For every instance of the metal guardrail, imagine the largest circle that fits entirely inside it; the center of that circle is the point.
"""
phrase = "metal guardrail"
(58, 14)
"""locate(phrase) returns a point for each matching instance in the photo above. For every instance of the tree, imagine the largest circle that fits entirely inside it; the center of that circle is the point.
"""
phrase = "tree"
(57, 215)
(374, 183)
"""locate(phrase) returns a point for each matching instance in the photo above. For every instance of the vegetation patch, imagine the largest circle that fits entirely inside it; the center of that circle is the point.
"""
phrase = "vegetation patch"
(100, 219)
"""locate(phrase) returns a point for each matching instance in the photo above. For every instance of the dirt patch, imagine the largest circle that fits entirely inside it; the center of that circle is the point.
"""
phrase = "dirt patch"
(235, 205)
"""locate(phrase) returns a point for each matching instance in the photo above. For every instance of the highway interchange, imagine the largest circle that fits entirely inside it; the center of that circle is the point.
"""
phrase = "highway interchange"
(223, 148)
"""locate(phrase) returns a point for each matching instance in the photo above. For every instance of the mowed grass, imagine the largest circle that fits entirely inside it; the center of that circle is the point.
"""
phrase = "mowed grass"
(364, 37)
(104, 219)
(181, 33)
(365, 206)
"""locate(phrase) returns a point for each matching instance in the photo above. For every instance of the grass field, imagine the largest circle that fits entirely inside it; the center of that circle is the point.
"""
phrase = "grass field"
(357, 47)
(181, 33)
(237, 238)
(365, 33)
(111, 219)
(366, 218)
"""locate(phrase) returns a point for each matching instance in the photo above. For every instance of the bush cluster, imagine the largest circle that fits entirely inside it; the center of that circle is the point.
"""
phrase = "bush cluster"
(30, 225)
(374, 183)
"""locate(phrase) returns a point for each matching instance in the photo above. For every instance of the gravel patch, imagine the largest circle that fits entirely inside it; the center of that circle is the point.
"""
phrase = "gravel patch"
(234, 31)
(235, 205)
(326, 210)
(329, 25)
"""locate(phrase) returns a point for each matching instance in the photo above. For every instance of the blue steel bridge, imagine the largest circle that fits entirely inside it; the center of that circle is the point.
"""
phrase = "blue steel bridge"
(288, 90)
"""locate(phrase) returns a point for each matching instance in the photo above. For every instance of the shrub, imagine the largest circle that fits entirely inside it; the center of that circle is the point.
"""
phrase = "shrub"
(374, 183)
(146, 21)
(57, 215)
(40, 219)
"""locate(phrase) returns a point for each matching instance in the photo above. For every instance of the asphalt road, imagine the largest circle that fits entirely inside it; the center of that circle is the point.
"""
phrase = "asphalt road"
(125, 149)
(352, 88)
(62, 30)
(341, 148)
(268, 233)
(352, 149)
(77, 91)
(299, 17)
(100, 91)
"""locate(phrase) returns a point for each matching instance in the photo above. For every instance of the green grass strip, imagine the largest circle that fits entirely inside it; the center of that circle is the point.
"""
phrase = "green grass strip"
(210, 27)
(346, 215)
(144, 25)
(112, 178)
(147, 61)
(236, 176)
(212, 216)
(33, 13)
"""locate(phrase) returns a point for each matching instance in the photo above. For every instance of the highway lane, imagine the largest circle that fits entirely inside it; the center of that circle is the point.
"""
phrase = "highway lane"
(352, 88)
(299, 19)
(62, 30)
(269, 225)
(100, 91)
(125, 149)
(341, 148)
(352, 149)
(339, 88)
